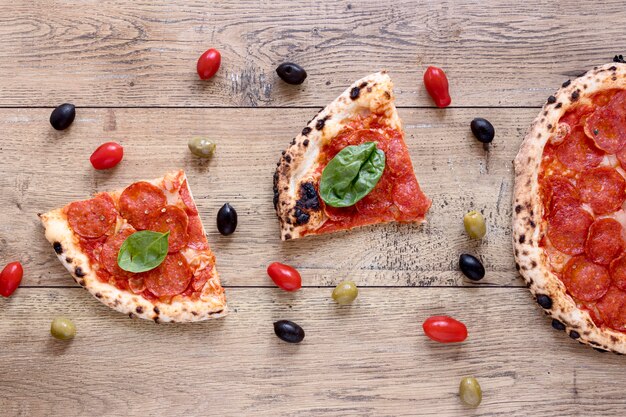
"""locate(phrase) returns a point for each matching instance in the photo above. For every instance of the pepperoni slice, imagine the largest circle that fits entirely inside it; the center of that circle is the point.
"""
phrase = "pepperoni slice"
(110, 250)
(378, 200)
(137, 284)
(578, 152)
(201, 278)
(567, 229)
(174, 220)
(409, 198)
(196, 238)
(603, 188)
(612, 308)
(185, 195)
(607, 125)
(604, 242)
(139, 201)
(618, 272)
(560, 192)
(397, 157)
(585, 280)
(170, 278)
(92, 218)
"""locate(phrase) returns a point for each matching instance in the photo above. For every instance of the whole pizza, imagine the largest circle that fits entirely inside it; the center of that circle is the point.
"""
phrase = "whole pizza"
(569, 212)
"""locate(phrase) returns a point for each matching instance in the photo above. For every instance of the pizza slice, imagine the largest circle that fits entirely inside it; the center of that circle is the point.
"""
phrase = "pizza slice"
(349, 167)
(87, 237)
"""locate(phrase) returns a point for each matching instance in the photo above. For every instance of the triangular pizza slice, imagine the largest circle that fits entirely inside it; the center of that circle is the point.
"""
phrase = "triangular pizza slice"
(349, 167)
(87, 236)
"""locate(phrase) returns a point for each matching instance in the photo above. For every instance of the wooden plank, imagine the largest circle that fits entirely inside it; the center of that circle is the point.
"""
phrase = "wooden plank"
(44, 169)
(120, 54)
(368, 359)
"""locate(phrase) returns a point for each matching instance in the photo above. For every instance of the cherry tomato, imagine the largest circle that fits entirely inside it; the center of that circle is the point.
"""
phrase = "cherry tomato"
(444, 329)
(436, 84)
(208, 63)
(107, 155)
(10, 278)
(284, 276)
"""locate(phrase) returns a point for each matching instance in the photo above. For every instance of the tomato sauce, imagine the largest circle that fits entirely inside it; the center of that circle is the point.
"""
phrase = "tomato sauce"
(397, 195)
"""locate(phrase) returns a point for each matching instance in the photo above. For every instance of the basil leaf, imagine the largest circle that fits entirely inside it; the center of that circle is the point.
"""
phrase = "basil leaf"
(143, 251)
(352, 174)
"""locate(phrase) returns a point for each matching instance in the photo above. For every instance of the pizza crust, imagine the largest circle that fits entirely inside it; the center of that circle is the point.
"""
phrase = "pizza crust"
(528, 224)
(65, 244)
(295, 199)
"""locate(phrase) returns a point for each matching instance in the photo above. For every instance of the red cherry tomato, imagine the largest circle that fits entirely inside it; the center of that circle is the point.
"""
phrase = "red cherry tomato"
(107, 155)
(436, 84)
(10, 278)
(284, 276)
(208, 63)
(445, 329)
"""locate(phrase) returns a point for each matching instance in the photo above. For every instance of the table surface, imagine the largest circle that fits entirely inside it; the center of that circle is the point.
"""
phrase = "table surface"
(130, 69)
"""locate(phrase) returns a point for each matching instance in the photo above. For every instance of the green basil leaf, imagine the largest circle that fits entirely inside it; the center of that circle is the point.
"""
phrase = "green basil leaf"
(352, 174)
(143, 251)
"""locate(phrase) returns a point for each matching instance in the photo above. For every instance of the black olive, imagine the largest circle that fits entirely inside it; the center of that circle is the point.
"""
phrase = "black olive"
(63, 116)
(471, 267)
(291, 73)
(482, 129)
(227, 220)
(288, 331)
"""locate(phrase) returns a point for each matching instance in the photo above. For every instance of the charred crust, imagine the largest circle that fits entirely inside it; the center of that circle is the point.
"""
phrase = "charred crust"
(600, 350)
(288, 158)
(98, 295)
(287, 236)
(305, 142)
(194, 313)
(532, 223)
(551, 99)
(308, 197)
(518, 209)
(69, 260)
(139, 309)
(533, 264)
(81, 282)
(575, 95)
(156, 319)
(566, 83)
(613, 68)
(363, 84)
(522, 238)
(156, 310)
(306, 131)
(58, 248)
(557, 325)
(544, 301)
(301, 216)
(574, 334)
(78, 271)
(549, 126)
(321, 122)
(131, 315)
(354, 93)
(517, 267)
(558, 105)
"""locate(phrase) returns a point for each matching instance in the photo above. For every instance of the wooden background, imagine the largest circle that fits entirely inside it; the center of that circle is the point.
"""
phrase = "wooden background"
(130, 69)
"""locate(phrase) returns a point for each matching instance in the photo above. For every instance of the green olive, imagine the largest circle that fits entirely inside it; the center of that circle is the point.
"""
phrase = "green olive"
(345, 292)
(201, 147)
(470, 391)
(475, 226)
(62, 328)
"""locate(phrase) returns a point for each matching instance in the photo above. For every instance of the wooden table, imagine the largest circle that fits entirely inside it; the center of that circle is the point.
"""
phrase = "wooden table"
(130, 69)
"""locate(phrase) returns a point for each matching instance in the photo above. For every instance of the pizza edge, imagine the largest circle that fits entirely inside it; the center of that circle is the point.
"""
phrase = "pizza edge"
(57, 229)
(296, 212)
(528, 227)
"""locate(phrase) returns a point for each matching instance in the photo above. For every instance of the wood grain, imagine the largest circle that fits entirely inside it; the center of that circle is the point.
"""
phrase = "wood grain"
(45, 169)
(144, 53)
(368, 359)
